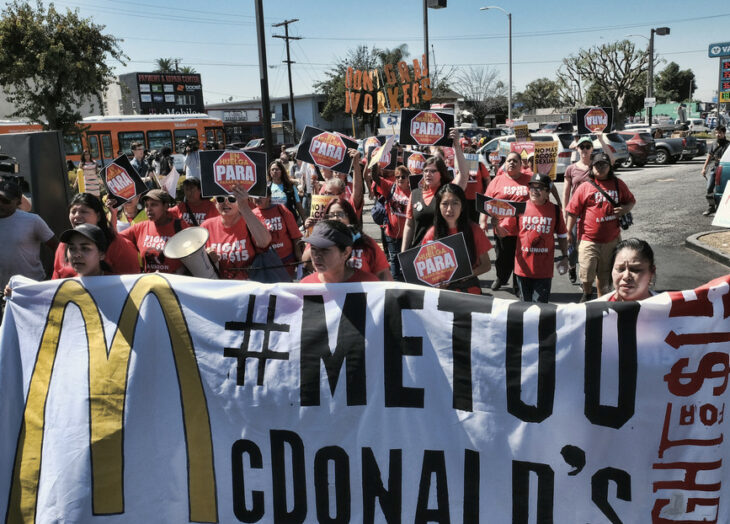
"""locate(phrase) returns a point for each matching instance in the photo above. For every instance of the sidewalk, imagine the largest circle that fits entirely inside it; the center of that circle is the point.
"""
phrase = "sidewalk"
(714, 244)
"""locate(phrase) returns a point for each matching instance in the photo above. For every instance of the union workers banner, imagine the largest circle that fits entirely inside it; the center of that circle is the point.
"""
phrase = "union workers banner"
(171, 399)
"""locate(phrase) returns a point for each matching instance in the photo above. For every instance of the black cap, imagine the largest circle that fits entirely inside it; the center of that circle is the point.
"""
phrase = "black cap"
(191, 180)
(90, 231)
(543, 180)
(599, 158)
(324, 235)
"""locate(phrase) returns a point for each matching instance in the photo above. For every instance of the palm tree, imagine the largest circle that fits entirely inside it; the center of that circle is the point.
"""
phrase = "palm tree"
(187, 70)
(165, 65)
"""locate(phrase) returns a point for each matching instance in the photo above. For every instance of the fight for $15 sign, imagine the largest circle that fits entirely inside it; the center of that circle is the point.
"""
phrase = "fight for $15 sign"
(425, 128)
(437, 262)
(325, 149)
(122, 180)
(221, 170)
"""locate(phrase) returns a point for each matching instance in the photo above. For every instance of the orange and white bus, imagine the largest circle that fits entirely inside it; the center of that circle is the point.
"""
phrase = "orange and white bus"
(108, 136)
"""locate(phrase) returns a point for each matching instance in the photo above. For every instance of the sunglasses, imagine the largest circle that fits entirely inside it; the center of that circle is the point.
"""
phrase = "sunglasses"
(585, 146)
(221, 199)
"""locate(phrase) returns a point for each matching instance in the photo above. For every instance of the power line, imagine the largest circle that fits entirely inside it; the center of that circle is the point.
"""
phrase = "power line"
(288, 63)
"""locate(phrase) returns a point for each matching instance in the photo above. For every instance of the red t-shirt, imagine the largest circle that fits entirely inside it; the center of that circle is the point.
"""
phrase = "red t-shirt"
(515, 190)
(233, 245)
(536, 240)
(121, 255)
(368, 256)
(427, 194)
(481, 246)
(598, 223)
(150, 241)
(202, 211)
(397, 207)
(357, 276)
(478, 181)
(283, 228)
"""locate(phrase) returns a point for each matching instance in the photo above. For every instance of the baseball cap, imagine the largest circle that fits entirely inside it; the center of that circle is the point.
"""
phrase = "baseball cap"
(324, 236)
(600, 158)
(156, 194)
(584, 140)
(191, 180)
(90, 231)
(543, 180)
(10, 189)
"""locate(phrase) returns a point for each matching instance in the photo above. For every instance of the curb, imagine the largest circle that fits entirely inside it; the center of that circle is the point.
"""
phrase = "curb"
(693, 243)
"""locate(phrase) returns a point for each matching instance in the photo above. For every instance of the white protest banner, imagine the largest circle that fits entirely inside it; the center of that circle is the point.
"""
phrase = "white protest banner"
(158, 398)
(722, 215)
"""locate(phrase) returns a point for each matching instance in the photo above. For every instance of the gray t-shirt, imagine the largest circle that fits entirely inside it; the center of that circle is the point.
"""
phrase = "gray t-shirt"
(192, 165)
(21, 236)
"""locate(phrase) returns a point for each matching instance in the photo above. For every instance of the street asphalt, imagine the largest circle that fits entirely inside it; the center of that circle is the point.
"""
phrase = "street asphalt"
(668, 215)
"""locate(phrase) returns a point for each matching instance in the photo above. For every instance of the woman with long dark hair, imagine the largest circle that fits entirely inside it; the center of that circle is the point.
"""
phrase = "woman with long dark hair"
(421, 208)
(452, 217)
(121, 255)
(283, 190)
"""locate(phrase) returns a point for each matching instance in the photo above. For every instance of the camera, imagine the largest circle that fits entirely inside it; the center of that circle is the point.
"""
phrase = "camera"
(8, 164)
(191, 143)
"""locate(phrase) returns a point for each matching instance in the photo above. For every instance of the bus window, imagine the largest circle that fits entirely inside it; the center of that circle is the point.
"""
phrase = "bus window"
(106, 145)
(214, 134)
(182, 134)
(93, 146)
(127, 137)
(159, 139)
(72, 144)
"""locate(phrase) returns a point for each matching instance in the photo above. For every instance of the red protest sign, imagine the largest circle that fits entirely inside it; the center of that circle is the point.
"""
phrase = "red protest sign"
(435, 263)
(234, 168)
(119, 182)
(327, 150)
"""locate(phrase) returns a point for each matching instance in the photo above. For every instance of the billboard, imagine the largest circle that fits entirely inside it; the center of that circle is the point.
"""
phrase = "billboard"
(169, 93)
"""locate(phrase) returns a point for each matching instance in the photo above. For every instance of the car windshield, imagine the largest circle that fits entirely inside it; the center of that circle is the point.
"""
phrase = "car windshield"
(254, 143)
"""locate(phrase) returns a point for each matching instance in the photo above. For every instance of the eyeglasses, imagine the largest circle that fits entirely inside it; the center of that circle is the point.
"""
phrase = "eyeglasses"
(336, 214)
(585, 146)
(221, 199)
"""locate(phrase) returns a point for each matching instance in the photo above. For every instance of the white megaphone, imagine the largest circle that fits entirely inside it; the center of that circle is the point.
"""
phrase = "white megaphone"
(189, 247)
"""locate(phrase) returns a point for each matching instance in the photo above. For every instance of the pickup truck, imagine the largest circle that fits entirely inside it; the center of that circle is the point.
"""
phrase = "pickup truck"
(669, 150)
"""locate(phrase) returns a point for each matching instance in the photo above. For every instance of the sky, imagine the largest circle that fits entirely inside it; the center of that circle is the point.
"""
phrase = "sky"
(218, 37)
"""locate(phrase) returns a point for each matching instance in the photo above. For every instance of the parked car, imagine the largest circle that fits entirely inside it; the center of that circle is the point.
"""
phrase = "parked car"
(564, 152)
(616, 144)
(668, 150)
(722, 175)
(642, 148)
(556, 127)
(695, 125)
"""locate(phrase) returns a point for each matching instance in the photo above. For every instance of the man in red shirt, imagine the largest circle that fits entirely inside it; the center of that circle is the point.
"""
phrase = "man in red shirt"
(541, 222)
(194, 209)
(511, 186)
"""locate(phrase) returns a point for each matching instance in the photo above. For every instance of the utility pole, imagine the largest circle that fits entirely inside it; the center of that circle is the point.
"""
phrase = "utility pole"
(265, 105)
(288, 63)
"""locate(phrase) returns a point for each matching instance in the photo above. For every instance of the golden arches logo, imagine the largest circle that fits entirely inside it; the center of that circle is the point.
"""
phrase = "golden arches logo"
(108, 373)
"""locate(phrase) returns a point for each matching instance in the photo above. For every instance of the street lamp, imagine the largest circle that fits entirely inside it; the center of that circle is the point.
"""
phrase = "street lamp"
(661, 31)
(509, 20)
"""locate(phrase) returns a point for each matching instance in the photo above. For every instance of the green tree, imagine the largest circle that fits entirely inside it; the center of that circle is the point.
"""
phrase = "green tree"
(165, 65)
(674, 85)
(539, 93)
(52, 62)
(364, 59)
(187, 70)
(612, 71)
(483, 92)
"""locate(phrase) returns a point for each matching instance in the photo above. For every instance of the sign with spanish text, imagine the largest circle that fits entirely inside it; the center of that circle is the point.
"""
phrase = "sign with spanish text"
(122, 180)
(220, 171)
(438, 262)
(234, 401)
(594, 120)
(425, 128)
(325, 149)
(521, 131)
(546, 158)
(317, 207)
(497, 208)
(385, 156)
(414, 161)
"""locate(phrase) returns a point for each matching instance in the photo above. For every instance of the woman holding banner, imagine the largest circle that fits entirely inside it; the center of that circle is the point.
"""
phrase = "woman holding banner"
(331, 247)
(422, 207)
(121, 255)
(366, 253)
(451, 218)
(236, 235)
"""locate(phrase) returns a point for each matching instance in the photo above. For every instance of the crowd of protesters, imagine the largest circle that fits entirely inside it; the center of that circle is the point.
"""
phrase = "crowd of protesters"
(276, 229)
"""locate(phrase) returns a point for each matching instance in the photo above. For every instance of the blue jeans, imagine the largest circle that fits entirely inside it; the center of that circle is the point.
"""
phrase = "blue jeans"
(392, 248)
(534, 289)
